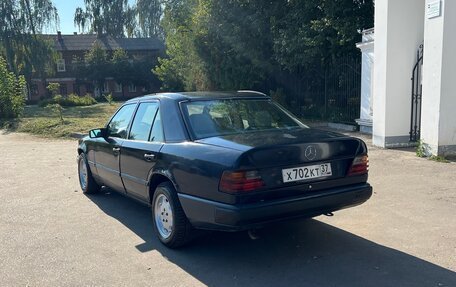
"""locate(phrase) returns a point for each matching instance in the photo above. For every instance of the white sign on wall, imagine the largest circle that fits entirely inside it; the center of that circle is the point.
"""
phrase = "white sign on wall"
(433, 8)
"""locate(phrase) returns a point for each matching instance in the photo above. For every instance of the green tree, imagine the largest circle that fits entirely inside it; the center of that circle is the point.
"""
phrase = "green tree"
(53, 88)
(21, 22)
(103, 17)
(308, 32)
(239, 43)
(12, 92)
(218, 44)
(118, 18)
(148, 14)
(121, 68)
(97, 66)
(183, 68)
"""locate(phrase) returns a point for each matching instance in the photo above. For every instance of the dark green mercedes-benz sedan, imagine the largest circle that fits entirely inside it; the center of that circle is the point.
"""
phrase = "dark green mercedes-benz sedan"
(221, 161)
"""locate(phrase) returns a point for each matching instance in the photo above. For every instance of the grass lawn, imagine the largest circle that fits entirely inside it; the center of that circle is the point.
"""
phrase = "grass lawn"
(44, 122)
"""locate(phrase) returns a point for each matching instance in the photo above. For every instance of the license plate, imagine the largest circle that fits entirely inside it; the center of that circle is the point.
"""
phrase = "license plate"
(306, 172)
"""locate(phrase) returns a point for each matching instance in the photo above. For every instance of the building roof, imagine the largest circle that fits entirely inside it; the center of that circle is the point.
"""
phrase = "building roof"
(84, 42)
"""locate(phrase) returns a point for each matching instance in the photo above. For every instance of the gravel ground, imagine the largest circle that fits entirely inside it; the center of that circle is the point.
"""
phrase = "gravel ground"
(53, 235)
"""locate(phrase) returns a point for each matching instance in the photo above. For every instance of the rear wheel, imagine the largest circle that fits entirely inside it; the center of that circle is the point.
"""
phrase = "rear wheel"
(170, 223)
(86, 180)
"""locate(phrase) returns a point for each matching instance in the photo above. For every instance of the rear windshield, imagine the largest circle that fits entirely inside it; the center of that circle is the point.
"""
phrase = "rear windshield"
(208, 118)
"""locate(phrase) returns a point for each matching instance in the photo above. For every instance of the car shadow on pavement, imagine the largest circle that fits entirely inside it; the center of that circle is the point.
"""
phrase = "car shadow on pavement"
(299, 253)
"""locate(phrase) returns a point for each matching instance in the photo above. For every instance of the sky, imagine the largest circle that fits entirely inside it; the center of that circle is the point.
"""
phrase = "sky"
(66, 10)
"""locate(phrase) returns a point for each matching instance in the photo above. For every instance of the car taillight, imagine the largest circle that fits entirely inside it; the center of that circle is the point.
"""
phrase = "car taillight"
(359, 166)
(240, 181)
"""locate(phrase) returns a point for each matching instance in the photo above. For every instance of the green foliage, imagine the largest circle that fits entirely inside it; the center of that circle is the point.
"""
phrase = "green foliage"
(118, 18)
(109, 98)
(103, 17)
(170, 73)
(229, 45)
(12, 92)
(315, 30)
(183, 69)
(53, 88)
(57, 109)
(439, 159)
(122, 70)
(148, 14)
(21, 24)
(420, 152)
(72, 100)
(96, 66)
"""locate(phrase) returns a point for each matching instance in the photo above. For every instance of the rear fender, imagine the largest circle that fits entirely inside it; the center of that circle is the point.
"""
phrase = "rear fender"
(157, 176)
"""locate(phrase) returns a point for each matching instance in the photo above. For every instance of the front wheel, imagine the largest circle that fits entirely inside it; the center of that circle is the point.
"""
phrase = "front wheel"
(170, 223)
(86, 181)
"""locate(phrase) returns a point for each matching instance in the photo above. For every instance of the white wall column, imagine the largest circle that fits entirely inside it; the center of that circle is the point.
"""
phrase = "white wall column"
(367, 71)
(399, 28)
(438, 120)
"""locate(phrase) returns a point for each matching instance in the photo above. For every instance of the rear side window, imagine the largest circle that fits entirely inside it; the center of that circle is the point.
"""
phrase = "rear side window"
(118, 125)
(142, 124)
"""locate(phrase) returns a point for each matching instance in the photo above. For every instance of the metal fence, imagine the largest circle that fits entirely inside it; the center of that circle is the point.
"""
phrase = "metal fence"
(331, 92)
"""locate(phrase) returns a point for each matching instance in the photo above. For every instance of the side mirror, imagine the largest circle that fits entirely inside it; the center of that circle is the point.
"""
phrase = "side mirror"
(98, 133)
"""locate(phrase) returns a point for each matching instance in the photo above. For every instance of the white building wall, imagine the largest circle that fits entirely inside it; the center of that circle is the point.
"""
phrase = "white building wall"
(438, 125)
(399, 28)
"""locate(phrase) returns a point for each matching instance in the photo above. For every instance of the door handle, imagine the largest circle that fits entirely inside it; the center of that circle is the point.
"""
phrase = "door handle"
(149, 156)
(116, 150)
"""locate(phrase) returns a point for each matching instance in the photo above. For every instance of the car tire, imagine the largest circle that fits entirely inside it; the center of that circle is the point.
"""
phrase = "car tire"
(170, 223)
(86, 180)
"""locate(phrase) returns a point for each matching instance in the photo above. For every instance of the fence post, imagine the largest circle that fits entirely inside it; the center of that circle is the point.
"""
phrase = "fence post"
(326, 92)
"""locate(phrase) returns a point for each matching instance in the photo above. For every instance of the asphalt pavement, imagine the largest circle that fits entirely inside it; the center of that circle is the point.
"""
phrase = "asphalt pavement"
(53, 235)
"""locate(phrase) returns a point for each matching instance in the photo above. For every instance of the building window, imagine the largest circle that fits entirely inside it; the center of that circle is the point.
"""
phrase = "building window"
(61, 65)
(105, 87)
(118, 88)
(132, 88)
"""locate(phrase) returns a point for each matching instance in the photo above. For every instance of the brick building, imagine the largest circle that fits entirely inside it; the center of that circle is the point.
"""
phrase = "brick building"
(76, 45)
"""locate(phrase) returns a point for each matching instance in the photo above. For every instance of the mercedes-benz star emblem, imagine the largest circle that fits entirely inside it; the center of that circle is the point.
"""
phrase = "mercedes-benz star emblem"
(311, 152)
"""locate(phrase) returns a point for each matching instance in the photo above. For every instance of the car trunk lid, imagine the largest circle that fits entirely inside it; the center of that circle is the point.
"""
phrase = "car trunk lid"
(272, 153)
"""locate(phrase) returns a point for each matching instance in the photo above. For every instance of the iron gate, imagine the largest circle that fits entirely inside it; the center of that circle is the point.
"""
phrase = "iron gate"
(329, 91)
(417, 91)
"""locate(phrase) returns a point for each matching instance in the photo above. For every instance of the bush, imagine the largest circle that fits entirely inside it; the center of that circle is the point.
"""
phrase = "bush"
(75, 100)
(72, 100)
(54, 88)
(12, 92)
(58, 110)
(109, 98)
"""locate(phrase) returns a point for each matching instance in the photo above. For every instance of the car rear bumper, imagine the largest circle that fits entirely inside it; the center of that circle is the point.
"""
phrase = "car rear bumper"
(208, 214)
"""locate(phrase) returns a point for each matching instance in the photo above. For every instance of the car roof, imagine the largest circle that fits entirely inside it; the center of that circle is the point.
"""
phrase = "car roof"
(201, 95)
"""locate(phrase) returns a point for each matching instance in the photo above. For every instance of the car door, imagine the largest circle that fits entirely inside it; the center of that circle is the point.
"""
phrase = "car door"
(140, 151)
(107, 155)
